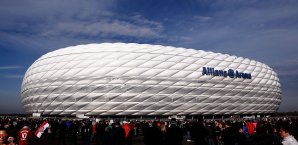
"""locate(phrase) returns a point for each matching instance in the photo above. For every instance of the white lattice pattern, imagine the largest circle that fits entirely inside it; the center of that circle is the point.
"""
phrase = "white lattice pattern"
(143, 79)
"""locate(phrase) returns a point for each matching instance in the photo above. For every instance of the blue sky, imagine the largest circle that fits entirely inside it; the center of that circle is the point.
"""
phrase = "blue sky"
(266, 31)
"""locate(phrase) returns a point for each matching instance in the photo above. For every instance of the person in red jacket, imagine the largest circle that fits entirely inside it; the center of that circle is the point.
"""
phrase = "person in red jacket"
(24, 136)
(127, 130)
(250, 128)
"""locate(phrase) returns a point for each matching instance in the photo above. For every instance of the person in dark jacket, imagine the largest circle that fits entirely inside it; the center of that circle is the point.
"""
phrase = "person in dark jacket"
(86, 132)
(199, 133)
(100, 131)
(218, 132)
(153, 135)
(240, 136)
(61, 133)
(118, 135)
(72, 133)
(228, 134)
(107, 134)
(174, 135)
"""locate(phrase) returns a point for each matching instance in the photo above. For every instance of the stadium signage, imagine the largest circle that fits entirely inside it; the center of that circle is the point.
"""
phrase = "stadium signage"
(229, 73)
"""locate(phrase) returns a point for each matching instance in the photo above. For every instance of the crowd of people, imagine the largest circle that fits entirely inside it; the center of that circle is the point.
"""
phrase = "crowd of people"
(22, 131)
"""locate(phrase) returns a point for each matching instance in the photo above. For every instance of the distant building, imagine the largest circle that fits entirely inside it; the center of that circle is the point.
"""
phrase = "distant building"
(142, 79)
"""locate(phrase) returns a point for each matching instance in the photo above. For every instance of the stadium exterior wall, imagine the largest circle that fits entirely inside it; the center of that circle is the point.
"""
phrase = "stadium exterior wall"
(142, 79)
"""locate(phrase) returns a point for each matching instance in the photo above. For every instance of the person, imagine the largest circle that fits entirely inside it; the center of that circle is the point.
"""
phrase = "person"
(218, 131)
(250, 128)
(210, 132)
(199, 133)
(174, 134)
(86, 132)
(288, 139)
(107, 134)
(100, 132)
(163, 129)
(153, 135)
(72, 128)
(24, 136)
(262, 135)
(3, 136)
(128, 132)
(118, 135)
(11, 141)
(240, 136)
(228, 134)
(61, 133)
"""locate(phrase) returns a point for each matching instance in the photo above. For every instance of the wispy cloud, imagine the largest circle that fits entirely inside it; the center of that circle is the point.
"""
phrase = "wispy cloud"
(202, 18)
(11, 76)
(11, 70)
(244, 28)
(288, 69)
(49, 25)
(105, 27)
(10, 67)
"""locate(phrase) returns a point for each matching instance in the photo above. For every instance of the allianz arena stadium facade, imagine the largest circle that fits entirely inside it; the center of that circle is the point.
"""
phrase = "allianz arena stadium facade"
(111, 79)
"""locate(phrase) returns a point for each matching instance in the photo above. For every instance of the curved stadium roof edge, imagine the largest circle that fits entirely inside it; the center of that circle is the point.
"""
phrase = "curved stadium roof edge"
(144, 79)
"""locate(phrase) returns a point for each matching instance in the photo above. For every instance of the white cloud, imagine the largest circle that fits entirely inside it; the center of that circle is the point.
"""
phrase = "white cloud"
(202, 18)
(105, 27)
(10, 67)
(54, 9)
(42, 25)
(12, 76)
(287, 68)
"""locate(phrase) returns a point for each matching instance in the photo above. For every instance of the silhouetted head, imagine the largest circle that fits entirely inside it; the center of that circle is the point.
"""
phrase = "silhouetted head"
(3, 135)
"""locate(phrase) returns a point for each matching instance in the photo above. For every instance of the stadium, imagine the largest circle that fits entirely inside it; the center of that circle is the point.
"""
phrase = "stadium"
(128, 79)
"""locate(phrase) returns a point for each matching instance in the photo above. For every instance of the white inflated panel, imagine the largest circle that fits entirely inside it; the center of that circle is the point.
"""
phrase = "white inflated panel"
(143, 79)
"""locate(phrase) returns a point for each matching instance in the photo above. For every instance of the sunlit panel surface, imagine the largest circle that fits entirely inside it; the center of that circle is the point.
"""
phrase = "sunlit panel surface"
(143, 79)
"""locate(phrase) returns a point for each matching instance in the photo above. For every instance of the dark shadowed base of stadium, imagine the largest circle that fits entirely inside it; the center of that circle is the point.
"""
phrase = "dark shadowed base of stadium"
(49, 140)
